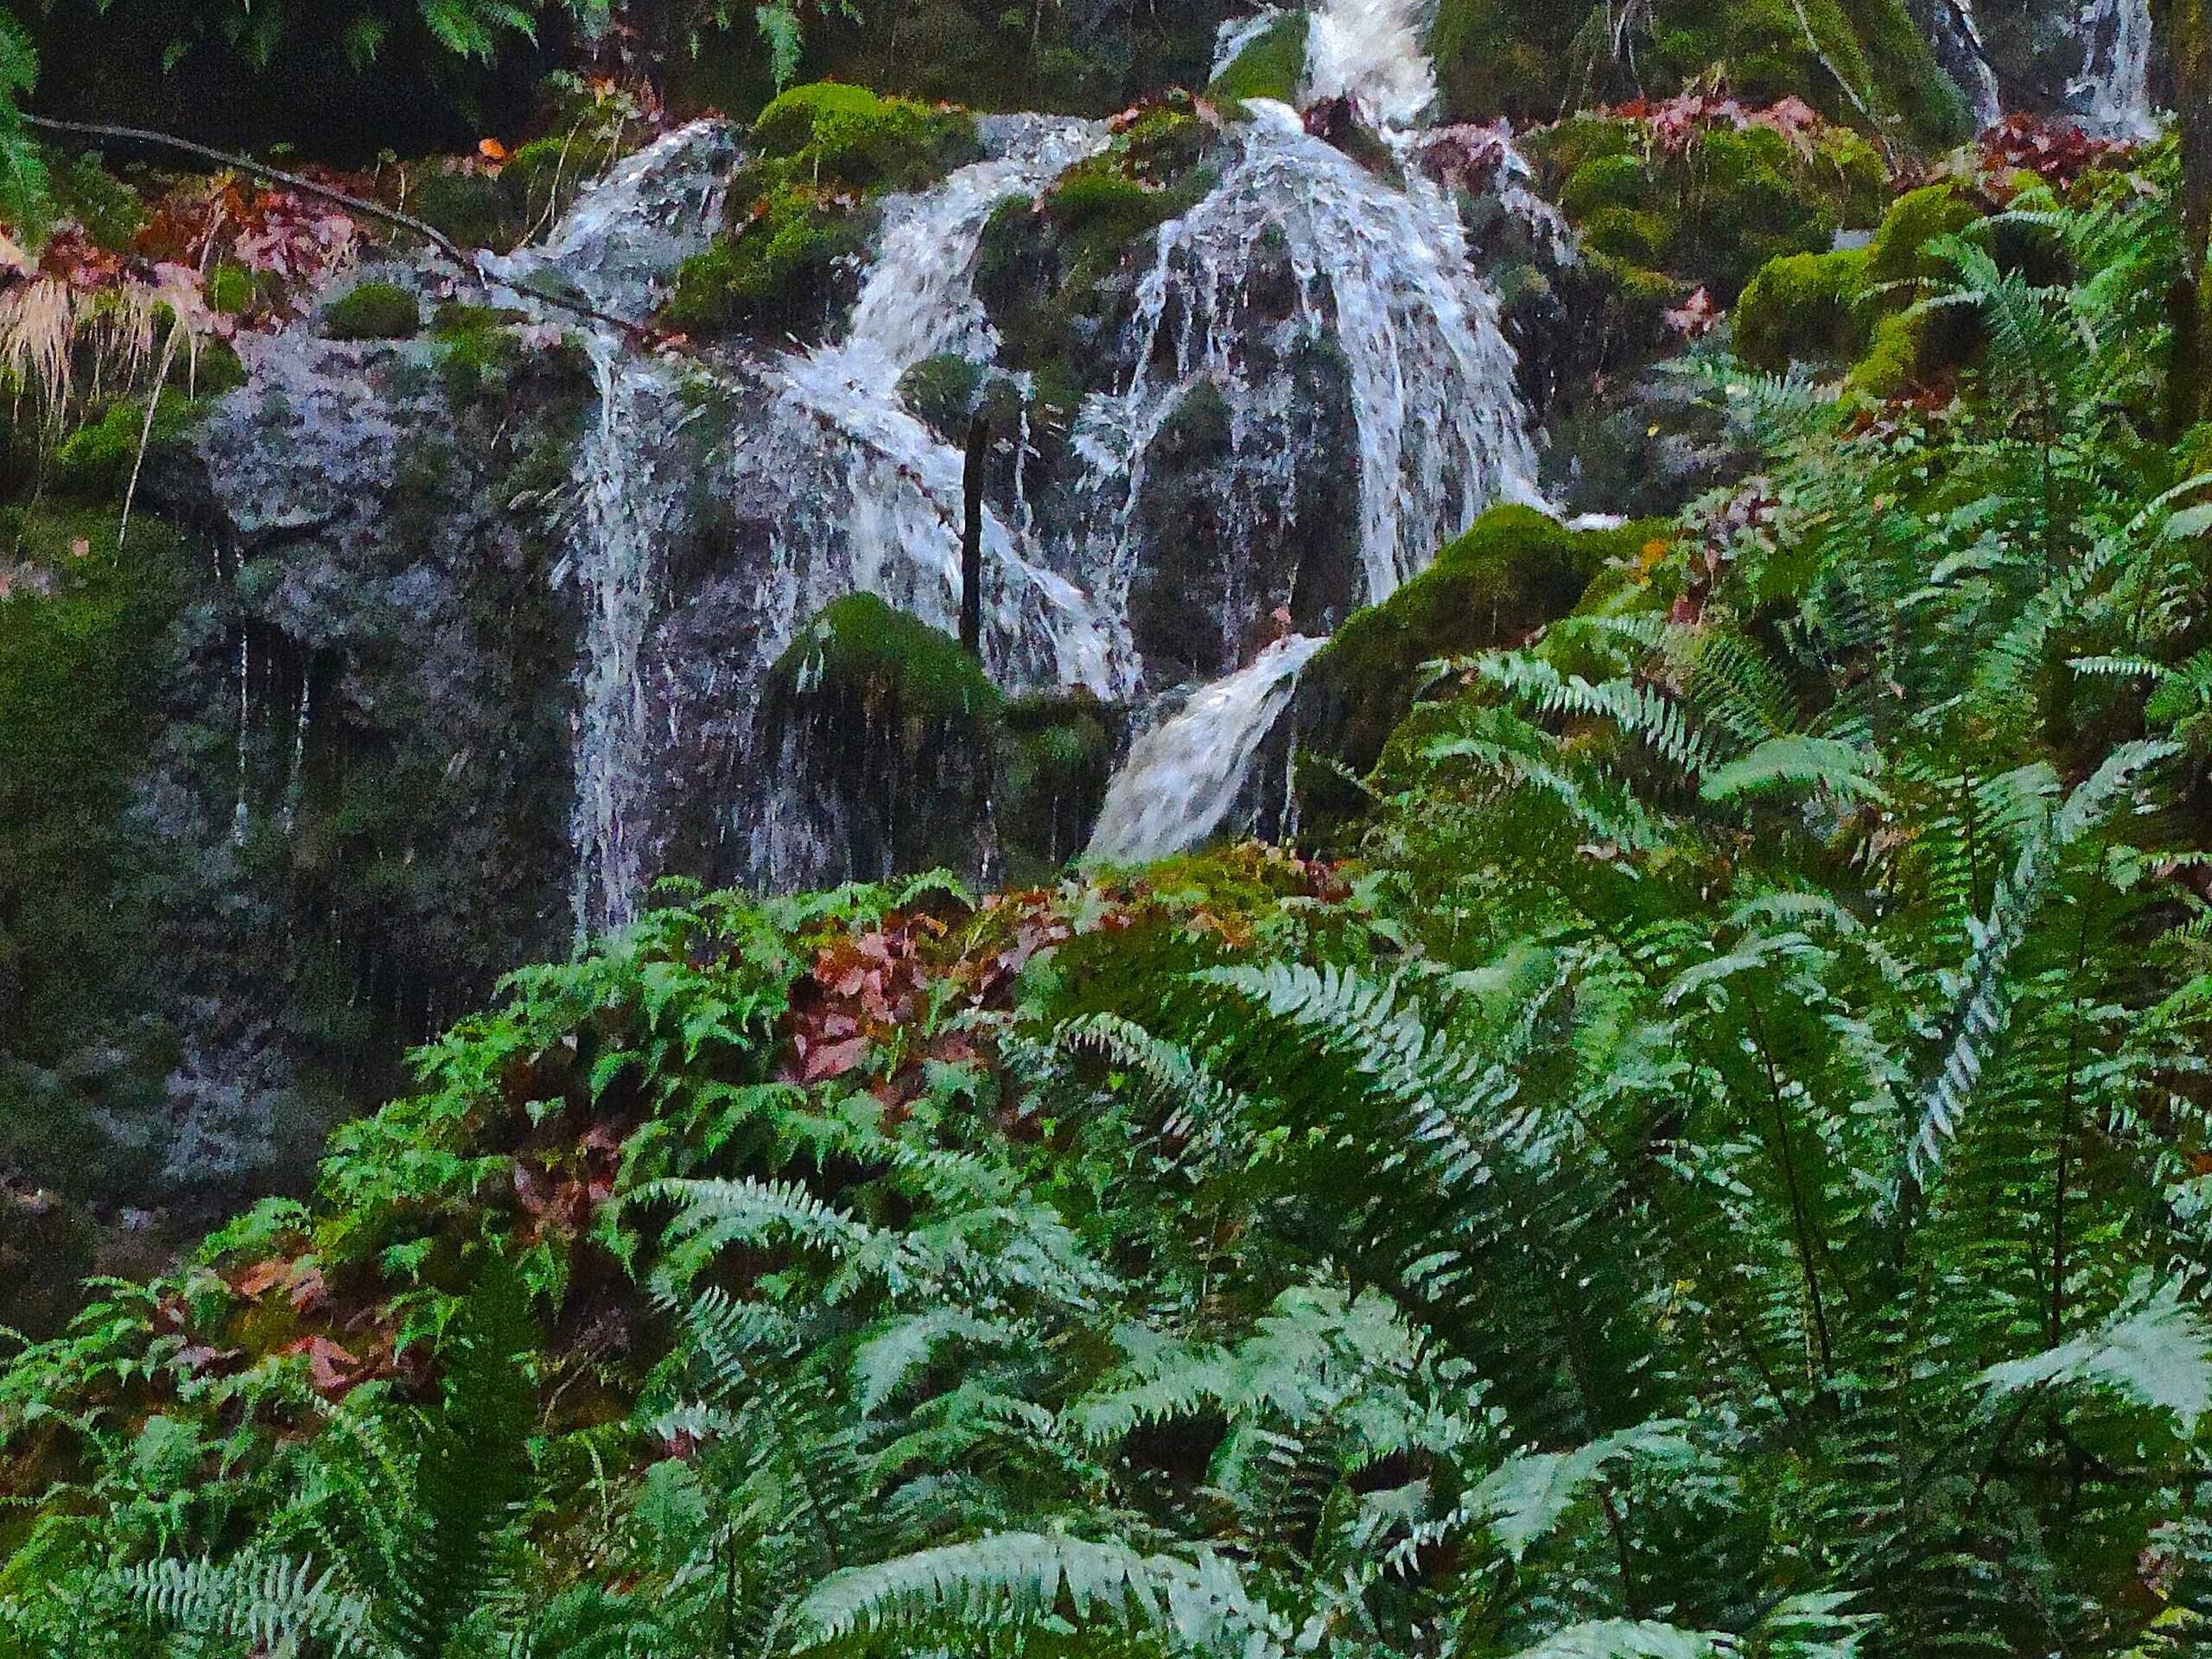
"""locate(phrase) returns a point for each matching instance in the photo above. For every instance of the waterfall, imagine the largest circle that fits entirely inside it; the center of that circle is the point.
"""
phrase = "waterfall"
(632, 501)
(1956, 33)
(1382, 271)
(2113, 89)
(1183, 777)
(864, 496)
(615, 248)
(1371, 52)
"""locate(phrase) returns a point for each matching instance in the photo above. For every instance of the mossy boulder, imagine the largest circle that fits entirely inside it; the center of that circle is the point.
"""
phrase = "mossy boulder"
(850, 136)
(476, 209)
(1271, 65)
(373, 311)
(1513, 571)
(884, 731)
(1710, 211)
(801, 213)
(96, 462)
(1853, 306)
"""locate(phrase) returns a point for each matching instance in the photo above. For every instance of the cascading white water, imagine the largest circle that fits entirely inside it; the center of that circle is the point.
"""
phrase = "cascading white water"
(631, 502)
(2113, 89)
(1371, 52)
(872, 497)
(1381, 270)
(1238, 33)
(615, 249)
(1184, 776)
(1956, 33)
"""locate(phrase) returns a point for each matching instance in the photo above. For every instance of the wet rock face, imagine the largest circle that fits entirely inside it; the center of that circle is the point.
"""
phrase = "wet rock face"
(352, 819)
(1216, 547)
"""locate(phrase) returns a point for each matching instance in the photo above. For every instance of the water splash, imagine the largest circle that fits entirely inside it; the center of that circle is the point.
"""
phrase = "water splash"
(1371, 52)
(2113, 89)
(1183, 777)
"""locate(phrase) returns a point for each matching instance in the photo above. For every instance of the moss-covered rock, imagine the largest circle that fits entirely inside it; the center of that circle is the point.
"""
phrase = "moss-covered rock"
(1272, 64)
(850, 136)
(1709, 211)
(1866, 64)
(373, 311)
(476, 209)
(84, 612)
(885, 730)
(801, 211)
(96, 462)
(1055, 759)
(1515, 570)
(1851, 306)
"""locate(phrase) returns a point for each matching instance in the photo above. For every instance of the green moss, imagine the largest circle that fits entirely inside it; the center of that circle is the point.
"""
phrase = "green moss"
(775, 271)
(109, 211)
(850, 136)
(942, 391)
(373, 311)
(96, 462)
(1627, 235)
(1851, 306)
(475, 209)
(1802, 309)
(1056, 756)
(1897, 253)
(1273, 66)
(1514, 570)
(862, 653)
(1619, 181)
(232, 290)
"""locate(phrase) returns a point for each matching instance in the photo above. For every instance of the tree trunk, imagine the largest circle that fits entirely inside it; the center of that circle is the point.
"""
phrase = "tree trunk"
(2188, 33)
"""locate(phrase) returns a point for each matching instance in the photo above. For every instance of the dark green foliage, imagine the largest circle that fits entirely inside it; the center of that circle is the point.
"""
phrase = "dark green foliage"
(373, 311)
(1723, 1173)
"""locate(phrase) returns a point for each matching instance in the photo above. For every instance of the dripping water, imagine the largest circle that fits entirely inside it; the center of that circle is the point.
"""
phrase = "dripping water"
(2113, 89)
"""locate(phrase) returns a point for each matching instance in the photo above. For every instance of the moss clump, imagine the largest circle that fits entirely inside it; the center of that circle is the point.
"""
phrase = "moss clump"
(374, 311)
(833, 133)
(96, 462)
(1055, 757)
(1513, 571)
(864, 654)
(1710, 213)
(801, 206)
(108, 211)
(1898, 251)
(776, 272)
(1851, 306)
(231, 289)
(475, 209)
(1272, 65)
(1801, 308)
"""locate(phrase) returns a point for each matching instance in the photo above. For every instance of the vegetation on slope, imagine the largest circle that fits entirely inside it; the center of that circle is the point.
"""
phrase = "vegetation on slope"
(1721, 1174)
